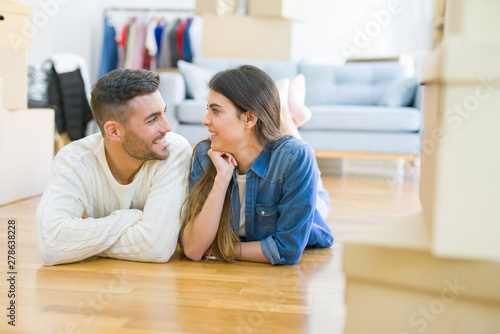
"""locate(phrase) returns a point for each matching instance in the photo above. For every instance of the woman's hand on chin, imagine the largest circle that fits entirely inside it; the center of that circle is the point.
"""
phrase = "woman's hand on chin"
(224, 163)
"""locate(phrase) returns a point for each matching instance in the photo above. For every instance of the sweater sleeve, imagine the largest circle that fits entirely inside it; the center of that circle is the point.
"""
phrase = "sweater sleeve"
(154, 237)
(62, 235)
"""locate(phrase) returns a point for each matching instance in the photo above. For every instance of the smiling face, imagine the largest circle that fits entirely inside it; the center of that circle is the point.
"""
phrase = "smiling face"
(146, 128)
(227, 129)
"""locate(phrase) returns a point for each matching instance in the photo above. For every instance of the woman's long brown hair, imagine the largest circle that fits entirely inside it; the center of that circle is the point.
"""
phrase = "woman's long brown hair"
(249, 89)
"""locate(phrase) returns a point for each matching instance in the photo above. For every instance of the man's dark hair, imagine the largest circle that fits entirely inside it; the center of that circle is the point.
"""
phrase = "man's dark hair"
(112, 92)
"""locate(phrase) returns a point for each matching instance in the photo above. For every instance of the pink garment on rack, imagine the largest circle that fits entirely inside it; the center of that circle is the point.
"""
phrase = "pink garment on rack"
(137, 58)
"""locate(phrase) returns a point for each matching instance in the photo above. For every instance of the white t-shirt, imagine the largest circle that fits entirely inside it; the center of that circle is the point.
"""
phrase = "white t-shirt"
(242, 183)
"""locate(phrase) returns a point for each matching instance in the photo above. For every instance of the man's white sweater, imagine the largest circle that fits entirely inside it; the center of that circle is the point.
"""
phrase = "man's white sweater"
(138, 221)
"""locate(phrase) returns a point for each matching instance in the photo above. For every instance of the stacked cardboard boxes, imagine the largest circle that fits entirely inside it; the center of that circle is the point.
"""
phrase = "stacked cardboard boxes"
(1, 113)
(26, 153)
(287, 9)
(395, 284)
(269, 29)
(14, 43)
(439, 270)
(460, 180)
(26, 135)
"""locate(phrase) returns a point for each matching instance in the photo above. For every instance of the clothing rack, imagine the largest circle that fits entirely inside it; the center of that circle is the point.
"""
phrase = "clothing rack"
(177, 40)
(152, 10)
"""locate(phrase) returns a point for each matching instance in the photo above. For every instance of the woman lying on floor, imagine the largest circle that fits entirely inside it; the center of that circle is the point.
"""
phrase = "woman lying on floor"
(255, 191)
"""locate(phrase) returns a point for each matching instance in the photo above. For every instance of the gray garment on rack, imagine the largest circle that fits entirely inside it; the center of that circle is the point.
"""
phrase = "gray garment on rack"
(164, 55)
(174, 53)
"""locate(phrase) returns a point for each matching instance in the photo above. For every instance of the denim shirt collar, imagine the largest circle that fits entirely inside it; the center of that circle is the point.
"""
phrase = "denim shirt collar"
(260, 166)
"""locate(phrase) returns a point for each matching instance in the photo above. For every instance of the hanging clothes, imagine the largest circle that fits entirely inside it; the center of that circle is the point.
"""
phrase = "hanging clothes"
(158, 34)
(180, 40)
(139, 44)
(109, 56)
(164, 58)
(144, 41)
(187, 41)
(150, 47)
(130, 44)
(174, 53)
(122, 44)
(196, 36)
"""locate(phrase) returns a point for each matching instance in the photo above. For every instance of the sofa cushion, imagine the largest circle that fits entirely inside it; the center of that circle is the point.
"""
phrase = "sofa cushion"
(364, 118)
(363, 141)
(352, 84)
(198, 73)
(196, 78)
(191, 111)
(400, 94)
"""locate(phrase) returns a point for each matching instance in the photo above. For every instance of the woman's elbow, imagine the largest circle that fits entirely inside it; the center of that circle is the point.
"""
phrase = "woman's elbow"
(190, 248)
(292, 257)
(193, 254)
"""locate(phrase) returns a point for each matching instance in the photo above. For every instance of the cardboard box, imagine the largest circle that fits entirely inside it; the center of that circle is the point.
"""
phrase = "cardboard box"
(15, 27)
(3, 2)
(459, 178)
(1, 113)
(286, 9)
(383, 309)
(14, 71)
(218, 7)
(472, 19)
(393, 279)
(27, 153)
(14, 42)
(400, 255)
(247, 37)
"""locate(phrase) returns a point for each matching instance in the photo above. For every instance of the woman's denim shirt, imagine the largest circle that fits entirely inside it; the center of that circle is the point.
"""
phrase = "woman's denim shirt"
(280, 200)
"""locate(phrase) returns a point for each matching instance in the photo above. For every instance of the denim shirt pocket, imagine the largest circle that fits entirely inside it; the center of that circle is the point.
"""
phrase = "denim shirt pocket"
(267, 218)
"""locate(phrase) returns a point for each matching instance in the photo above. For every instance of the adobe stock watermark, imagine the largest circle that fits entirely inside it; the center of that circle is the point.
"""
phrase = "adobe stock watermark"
(96, 303)
(255, 320)
(395, 180)
(371, 30)
(455, 116)
(39, 20)
(421, 318)
(290, 281)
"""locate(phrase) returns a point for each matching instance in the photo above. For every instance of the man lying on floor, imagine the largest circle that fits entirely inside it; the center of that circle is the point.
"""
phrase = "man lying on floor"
(117, 193)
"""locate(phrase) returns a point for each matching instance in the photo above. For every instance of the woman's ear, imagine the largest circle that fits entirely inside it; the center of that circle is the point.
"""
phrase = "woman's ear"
(250, 119)
(114, 130)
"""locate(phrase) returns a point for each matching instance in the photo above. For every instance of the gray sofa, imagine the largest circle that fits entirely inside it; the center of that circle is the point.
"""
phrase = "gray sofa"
(359, 107)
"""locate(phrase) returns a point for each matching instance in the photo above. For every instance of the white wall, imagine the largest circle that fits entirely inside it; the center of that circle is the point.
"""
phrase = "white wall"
(335, 27)
(76, 26)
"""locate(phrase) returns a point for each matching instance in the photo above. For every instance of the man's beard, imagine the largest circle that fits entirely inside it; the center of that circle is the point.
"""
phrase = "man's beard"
(140, 150)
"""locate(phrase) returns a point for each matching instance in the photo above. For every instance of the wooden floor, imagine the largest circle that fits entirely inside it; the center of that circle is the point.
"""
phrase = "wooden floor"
(111, 296)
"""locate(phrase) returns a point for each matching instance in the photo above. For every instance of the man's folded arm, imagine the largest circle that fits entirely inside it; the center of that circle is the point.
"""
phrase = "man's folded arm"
(63, 236)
